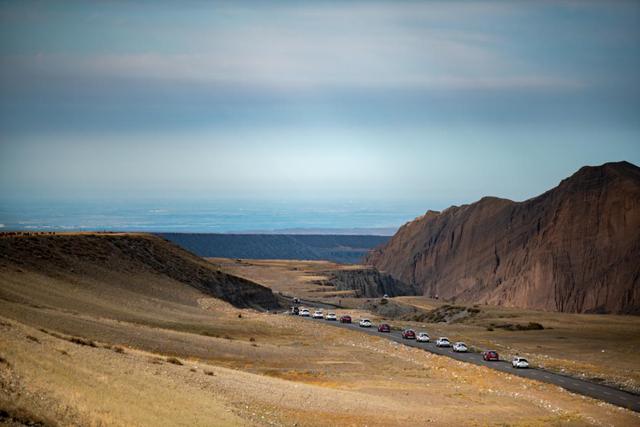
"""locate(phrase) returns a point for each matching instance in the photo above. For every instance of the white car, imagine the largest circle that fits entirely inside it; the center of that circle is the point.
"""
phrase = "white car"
(422, 337)
(365, 323)
(304, 312)
(460, 347)
(519, 362)
(443, 342)
(330, 316)
(318, 314)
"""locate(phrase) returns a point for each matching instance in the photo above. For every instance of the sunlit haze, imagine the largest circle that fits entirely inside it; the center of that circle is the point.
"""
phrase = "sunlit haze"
(305, 106)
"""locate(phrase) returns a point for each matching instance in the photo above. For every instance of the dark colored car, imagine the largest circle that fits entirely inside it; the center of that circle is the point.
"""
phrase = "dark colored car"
(490, 355)
(409, 334)
(383, 327)
(345, 319)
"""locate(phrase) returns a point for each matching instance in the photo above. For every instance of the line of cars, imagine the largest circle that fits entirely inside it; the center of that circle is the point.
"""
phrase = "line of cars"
(410, 334)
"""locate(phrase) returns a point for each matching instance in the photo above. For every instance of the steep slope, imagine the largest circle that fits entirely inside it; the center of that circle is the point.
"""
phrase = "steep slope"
(368, 283)
(338, 248)
(91, 257)
(574, 248)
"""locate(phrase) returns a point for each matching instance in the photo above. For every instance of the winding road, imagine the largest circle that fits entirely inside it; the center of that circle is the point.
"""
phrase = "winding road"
(587, 388)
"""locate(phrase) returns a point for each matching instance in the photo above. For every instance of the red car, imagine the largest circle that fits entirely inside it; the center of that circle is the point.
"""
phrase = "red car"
(490, 355)
(409, 334)
(345, 319)
(383, 327)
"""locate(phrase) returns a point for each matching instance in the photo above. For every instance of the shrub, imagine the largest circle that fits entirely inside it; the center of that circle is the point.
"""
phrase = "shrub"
(82, 341)
(210, 373)
(118, 349)
(174, 360)
(32, 338)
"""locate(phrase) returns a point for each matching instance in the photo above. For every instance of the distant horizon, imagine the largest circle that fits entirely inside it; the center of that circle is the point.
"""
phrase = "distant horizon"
(223, 216)
(382, 109)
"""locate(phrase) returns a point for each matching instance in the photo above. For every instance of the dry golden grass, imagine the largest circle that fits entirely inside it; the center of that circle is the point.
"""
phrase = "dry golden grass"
(239, 367)
(289, 277)
(601, 347)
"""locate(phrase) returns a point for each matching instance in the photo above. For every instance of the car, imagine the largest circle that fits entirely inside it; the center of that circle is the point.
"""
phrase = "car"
(330, 316)
(384, 327)
(422, 337)
(345, 319)
(409, 334)
(385, 296)
(294, 311)
(460, 347)
(490, 356)
(443, 342)
(318, 314)
(520, 362)
(304, 312)
(365, 323)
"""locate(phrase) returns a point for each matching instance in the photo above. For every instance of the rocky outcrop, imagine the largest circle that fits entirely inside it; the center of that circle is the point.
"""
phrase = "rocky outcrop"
(369, 283)
(574, 248)
(70, 256)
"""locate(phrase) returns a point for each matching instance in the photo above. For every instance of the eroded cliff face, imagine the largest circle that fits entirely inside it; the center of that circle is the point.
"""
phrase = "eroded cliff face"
(369, 283)
(575, 248)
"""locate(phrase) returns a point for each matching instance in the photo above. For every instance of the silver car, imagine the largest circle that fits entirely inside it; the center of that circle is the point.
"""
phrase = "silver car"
(520, 362)
(460, 347)
(443, 342)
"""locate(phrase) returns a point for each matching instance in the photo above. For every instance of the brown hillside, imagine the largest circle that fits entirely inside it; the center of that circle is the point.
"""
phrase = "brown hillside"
(129, 260)
(574, 248)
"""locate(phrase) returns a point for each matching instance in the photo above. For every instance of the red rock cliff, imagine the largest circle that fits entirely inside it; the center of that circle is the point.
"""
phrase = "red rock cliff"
(575, 248)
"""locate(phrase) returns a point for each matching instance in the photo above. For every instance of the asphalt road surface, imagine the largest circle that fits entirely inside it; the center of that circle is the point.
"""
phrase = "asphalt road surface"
(575, 385)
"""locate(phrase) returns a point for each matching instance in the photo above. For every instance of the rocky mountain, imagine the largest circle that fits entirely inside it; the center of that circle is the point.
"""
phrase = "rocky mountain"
(575, 248)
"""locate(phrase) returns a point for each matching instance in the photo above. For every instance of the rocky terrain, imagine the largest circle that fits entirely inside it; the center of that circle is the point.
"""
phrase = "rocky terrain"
(368, 282)
(574, 248)
(337, 248)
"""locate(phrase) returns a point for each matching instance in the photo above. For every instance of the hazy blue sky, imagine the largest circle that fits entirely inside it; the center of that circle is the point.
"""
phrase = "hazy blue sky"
(436, 103)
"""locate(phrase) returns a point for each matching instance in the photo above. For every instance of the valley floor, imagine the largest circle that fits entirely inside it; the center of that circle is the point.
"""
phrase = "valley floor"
(130, 346)
(604, 348)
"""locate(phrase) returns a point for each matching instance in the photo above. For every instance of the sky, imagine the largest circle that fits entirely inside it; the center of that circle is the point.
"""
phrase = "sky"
(398, 102)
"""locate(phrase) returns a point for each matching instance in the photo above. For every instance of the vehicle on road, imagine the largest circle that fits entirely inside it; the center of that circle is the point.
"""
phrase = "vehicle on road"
(365, 323)
(409, 334)
(385, 296)
(304, 312)
(490, 356)
(384, 327)
(345, 319)
(296, 300)
(422, 337)
(520, 362)
(294, 311)
(318, 314)
(443, 342)
(460, 347)
(330, 316)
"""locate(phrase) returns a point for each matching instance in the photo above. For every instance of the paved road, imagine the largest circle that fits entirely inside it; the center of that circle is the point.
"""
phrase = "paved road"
(575, 385)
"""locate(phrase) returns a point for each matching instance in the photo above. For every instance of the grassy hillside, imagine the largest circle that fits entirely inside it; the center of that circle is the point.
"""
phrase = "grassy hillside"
(125, 258)
(93, 331)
